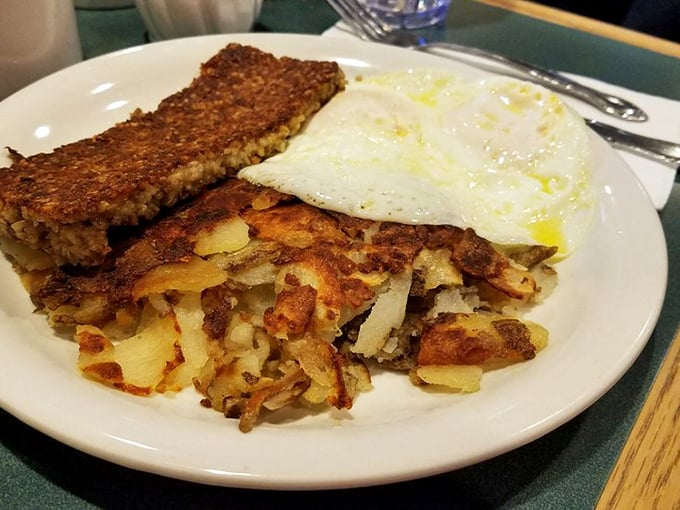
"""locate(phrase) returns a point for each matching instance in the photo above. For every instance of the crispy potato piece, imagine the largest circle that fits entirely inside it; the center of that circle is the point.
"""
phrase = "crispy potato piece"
(457, 348)
(295, 225)
(477, 257)
(194, 275)
(250, 266)
(474, 339)
(313, 294)
(357, 378)
(292, 311)
(253, 254)
(193, 341)
(27, 258)
(465, 378)
(88, 312)
(437, 268)
(529, 255)
(514, 282)
(225, 237)
(324, 366)
(136, 365)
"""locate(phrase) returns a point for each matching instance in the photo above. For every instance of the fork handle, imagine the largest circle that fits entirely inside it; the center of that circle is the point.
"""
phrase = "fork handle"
(607, 103)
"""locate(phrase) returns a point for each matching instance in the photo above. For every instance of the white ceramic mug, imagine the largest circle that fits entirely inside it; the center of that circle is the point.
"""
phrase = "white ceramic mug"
(37, 37)
(168, 19)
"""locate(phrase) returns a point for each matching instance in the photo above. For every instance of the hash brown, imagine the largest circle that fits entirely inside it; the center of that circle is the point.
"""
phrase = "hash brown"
(295, 311)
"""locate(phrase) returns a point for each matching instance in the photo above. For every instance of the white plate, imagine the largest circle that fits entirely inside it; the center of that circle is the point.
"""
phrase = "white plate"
(600, 317)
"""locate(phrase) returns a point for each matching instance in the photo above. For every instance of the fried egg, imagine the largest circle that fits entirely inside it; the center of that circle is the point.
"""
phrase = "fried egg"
(503, 156)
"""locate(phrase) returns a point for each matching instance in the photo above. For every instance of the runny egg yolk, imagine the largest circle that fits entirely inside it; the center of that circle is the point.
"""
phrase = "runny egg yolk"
(502, 156)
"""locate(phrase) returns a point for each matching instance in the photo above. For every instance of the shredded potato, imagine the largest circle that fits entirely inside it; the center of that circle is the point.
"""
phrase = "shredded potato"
(281, 304)
(387, 314)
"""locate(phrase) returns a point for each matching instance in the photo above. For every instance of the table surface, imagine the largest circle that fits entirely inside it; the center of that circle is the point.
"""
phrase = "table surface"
(564, 469)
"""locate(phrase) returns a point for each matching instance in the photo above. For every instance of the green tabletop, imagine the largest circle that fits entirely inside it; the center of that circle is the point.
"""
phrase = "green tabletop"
(565, 469)
(469, 22)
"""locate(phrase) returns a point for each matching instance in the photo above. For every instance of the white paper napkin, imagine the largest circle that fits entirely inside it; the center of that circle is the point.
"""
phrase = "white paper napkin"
(664, 115)
(663, 122)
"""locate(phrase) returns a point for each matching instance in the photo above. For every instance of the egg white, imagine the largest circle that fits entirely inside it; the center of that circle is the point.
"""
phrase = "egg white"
(505, 157)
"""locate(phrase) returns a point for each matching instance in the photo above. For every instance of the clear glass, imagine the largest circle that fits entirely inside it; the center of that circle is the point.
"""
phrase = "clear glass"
(410, 13)
(168, 19)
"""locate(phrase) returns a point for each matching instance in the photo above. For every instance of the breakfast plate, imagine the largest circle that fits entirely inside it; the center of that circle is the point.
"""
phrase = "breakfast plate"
(599, 317)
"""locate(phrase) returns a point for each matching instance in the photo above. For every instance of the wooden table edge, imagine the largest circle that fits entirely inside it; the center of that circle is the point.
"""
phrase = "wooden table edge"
(592, 26)
(647, 472)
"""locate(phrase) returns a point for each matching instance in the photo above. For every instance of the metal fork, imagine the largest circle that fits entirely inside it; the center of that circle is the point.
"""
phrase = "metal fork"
(367, 26)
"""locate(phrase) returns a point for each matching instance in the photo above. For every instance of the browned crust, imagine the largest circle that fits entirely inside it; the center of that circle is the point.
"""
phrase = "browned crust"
(240, 109)
(171, 239)
(293, 310)
(319, 240)
(462, 339)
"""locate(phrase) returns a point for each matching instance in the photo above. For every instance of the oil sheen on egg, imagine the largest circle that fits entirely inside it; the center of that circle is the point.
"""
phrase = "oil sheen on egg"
(505, 157)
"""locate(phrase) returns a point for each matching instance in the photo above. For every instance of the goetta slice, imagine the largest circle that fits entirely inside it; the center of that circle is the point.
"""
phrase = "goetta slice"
(242, 108)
